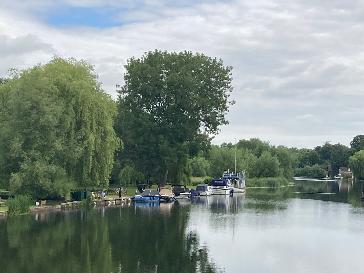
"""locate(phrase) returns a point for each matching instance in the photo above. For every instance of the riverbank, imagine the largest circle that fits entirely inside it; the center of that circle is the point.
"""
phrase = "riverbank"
(70, 205)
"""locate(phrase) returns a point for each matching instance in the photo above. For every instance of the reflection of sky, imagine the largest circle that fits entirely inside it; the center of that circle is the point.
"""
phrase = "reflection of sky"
(308, 236)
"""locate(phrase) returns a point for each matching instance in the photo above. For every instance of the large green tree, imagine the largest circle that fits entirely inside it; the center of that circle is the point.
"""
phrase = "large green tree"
(56, 129)
(356, 163)
(170, 102)
(357, 143)
(266, 166)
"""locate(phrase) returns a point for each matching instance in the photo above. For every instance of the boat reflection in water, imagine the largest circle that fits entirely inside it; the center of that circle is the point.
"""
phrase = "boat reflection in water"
(221, 203)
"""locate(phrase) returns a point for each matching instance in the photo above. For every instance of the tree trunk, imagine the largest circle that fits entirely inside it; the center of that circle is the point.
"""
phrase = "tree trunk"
(164, 178)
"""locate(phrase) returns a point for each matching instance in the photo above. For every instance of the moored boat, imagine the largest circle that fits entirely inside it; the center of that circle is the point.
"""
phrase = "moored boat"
(202, 190)
(221, 186)
(147, 196)
(237, 180)
(166, 194)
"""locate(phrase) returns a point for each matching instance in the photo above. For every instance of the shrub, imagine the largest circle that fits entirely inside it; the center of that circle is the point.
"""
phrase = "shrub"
(87, 203)
(19, 204)
(272, 182)
(314, 171)
(265, 166)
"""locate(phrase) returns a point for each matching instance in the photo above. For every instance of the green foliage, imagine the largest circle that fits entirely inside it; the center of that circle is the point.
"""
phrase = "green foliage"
(254, 145)
(87, 203)
(314, 171)
(129, 176)
(287, 158)
(57, 130)
(308, 157)
(265, 166)
(333, 156)
(223, 159)
(256, 158)
(169, 104)
(357, 143)
(199, 166)
(356, 163)
(270, 182)
(20, 204)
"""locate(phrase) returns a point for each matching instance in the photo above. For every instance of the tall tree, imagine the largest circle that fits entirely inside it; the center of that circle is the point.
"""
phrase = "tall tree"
(168, 102)
(57, 129)
(266, 166)
(356, 163)
(357, 143)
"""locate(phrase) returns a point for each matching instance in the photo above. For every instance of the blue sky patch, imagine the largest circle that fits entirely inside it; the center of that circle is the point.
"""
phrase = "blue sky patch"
(83, 17)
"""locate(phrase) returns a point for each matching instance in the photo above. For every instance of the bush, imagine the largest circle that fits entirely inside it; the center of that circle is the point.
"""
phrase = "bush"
(199, 166)
(314, 171)
(87, 203)
(265, 166)
(272, 182)
(356, 163)
(19, 204)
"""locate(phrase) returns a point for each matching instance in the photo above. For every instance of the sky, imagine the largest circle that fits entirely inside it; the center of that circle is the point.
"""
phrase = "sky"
(298, 65)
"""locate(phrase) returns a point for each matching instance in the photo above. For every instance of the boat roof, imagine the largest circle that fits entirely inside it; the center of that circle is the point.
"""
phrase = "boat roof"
(219, 182)
(232, 175)
(166, 191)
(149, 192)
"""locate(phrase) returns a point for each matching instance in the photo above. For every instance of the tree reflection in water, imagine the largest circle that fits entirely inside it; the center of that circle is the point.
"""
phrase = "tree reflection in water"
(135, 239)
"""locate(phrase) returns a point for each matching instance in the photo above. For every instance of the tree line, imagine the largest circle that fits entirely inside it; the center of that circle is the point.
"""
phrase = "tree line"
(60, 131)
(260, 159)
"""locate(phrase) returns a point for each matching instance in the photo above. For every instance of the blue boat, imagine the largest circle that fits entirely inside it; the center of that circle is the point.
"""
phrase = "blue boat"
(147, 196)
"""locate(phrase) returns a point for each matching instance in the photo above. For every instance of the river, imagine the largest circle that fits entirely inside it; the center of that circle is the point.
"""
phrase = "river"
(314, 228)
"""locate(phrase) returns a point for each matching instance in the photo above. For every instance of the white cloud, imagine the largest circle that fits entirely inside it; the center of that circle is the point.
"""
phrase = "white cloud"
(290, 58)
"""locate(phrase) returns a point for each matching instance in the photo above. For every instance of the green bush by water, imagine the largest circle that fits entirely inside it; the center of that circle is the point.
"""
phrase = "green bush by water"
(272, 182)
(19, 204)
(87, 203)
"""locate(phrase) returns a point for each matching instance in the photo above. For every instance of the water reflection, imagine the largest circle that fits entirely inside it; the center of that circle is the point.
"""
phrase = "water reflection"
(343, 191)
(189, 237)
(137, 239)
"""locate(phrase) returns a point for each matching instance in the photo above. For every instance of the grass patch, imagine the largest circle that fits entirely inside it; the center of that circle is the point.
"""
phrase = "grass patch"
(130, 191)
(3, 209)
(270, 182)
(19, 204)
(195, 180)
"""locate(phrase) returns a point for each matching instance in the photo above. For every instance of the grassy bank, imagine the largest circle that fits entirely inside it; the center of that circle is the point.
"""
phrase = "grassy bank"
(269, 182)
(20, 204)
(3, 209)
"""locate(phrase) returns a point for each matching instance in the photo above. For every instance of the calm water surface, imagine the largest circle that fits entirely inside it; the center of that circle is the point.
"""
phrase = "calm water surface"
(314, 228)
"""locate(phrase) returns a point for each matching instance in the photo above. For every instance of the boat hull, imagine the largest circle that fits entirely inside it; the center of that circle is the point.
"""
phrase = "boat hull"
(205, 193)
(222, 191)
(167, 199)
(145, 199)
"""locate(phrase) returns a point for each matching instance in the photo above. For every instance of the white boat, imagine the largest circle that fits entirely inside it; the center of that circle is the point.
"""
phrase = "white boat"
(203, 190)
(237, 180)
(184, 195)
(221, 186)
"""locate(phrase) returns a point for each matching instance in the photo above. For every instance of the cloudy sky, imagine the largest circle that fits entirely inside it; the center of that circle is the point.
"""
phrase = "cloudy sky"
(298, 64)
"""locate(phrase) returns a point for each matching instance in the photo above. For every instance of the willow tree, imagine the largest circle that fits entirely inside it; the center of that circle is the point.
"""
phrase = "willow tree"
(170, 102)
(56, 130)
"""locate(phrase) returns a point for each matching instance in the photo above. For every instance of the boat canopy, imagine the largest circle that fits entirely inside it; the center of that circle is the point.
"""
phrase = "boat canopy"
(201, 187)
(166, 192)
(219, 182)
(228, 175)
(149, 192)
